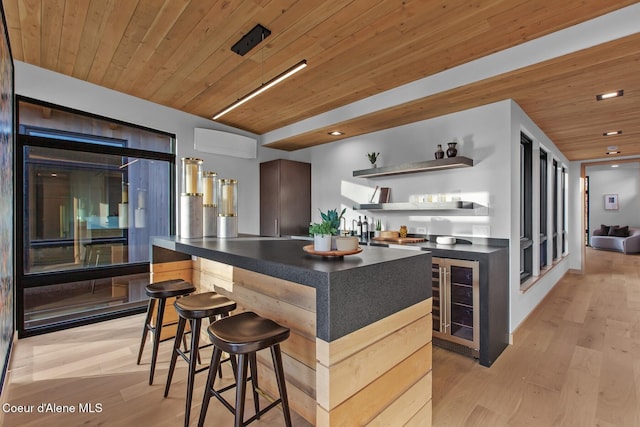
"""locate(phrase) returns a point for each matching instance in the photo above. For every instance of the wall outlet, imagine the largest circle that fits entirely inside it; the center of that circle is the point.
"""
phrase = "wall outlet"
(481, 231)
(421, 230)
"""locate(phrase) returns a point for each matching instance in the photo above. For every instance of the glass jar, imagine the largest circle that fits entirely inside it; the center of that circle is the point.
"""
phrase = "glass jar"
(209, 187)
(191, 173)
(403, 231)
(227, 197)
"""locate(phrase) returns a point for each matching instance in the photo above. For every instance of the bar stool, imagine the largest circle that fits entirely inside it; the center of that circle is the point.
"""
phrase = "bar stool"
(194, 308)
(160, 291)
(244, 334)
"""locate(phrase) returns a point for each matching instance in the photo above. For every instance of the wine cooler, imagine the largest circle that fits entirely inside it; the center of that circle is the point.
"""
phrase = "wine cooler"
(456, 298)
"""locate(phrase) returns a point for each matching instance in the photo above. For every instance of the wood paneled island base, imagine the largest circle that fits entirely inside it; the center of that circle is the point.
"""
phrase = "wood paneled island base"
(376, 374)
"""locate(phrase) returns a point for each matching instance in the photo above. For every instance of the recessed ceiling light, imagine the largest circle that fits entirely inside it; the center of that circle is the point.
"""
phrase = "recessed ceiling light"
(609, 95)
(614, 166)
(336, 133)
(613, 152)
(612, 133)
(612, 147)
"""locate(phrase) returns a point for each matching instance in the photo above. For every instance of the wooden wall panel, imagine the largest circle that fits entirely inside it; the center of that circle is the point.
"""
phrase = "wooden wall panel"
(290, 304)
(377, 372)
(372, 400)
(377, 375)
(168, 271)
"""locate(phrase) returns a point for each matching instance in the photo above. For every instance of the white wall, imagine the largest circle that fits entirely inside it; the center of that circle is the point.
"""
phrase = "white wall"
(623, 181)
(41, 84)
(478, 132)
(490, 135)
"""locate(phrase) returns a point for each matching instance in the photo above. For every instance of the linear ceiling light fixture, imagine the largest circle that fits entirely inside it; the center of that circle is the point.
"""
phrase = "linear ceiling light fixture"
(609, 95)
(274, 81)
(612, 133)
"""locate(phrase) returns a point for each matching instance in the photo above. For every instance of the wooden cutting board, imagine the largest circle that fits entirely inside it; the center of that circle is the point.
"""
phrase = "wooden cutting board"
(399, 239)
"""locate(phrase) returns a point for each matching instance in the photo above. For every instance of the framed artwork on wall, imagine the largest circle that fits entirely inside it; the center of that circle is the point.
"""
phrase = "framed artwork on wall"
(611, 201)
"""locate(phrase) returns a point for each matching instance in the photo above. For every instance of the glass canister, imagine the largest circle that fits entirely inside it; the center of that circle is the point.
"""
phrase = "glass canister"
(227, 197)
(209, 188)
(403, 231)
(191, 173)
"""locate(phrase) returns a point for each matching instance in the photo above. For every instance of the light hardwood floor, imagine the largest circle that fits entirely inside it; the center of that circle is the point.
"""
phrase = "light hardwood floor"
(575, 362)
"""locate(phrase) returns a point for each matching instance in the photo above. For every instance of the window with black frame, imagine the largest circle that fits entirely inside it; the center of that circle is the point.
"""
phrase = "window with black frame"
(563, 194)
(555, 171)
(93, 192)
(526, 208)
(543, 208)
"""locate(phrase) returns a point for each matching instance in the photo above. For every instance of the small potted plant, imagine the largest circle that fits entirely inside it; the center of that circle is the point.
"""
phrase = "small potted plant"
(378, 229)
(322, 233)
(373, 158)
(334, 219)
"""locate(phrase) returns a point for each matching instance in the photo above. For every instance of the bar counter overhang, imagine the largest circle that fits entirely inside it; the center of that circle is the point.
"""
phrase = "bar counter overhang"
(360, 346)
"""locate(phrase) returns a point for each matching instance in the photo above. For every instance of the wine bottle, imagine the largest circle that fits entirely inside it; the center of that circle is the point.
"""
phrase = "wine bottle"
(365, 229)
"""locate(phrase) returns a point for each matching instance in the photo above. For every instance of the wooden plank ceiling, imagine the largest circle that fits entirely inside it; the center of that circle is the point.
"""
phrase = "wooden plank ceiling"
(177, 53)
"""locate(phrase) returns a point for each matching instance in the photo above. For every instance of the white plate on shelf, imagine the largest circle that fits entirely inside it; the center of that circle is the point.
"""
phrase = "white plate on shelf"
(446, 240)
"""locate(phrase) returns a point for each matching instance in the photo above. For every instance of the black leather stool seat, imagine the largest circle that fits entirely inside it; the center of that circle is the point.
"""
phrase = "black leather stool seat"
(243, 335)
(159, 292)
(169, 288)
(194, 308)
(246, 333)
(207, 304)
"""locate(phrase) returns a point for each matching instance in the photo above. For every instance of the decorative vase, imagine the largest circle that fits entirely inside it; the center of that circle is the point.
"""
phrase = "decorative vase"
(452, 150)
(322, 242)
(439, 152)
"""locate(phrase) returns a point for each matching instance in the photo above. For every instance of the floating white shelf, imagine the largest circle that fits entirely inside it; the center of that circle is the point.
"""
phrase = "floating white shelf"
(457, 206)
(426, 166)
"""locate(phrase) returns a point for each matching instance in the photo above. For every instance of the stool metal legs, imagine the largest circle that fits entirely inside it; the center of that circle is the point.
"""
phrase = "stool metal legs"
(193, 359)
(195, 344)
(276, 355)
(146, 328)
(245, 361)
(156, 333)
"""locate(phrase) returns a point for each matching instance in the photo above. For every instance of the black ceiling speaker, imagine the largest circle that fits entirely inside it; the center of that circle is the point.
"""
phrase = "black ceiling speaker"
(251, 40)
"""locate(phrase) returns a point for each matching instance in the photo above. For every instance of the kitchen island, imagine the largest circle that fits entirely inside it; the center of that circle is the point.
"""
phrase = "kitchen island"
(360, 345)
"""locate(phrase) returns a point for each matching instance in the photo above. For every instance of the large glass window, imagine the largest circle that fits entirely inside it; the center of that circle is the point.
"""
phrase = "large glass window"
(93, 192)
(556, 172)
(543, 208)
(563, 193)
(526, 208)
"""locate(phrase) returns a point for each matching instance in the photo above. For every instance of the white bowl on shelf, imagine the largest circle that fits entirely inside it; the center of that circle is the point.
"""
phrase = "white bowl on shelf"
(446, 240)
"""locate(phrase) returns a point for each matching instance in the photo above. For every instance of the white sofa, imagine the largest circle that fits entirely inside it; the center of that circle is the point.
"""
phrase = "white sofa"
(629, 244)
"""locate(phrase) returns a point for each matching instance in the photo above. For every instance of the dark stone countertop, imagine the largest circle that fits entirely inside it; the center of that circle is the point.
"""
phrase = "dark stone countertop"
(351, 292)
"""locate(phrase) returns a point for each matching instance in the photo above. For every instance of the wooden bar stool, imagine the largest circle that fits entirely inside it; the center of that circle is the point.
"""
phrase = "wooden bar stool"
(160, 291)
(194, 308)
(243, 335)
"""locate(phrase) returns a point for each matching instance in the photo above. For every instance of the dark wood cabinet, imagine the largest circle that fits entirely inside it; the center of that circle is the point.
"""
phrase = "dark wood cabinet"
(285, 198)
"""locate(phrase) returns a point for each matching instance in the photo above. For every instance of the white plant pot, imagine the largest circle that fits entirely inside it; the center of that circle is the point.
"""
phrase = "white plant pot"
(322, 242)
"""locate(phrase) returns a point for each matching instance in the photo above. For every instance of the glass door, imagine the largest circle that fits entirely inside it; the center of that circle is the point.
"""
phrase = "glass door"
(456, 301)
(436, 288)
(463, 300)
